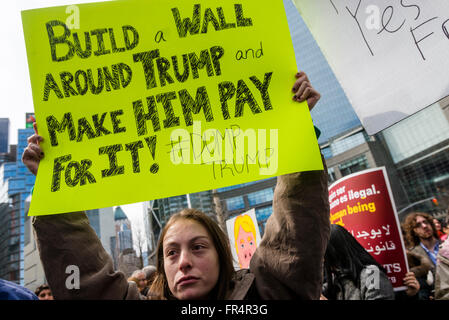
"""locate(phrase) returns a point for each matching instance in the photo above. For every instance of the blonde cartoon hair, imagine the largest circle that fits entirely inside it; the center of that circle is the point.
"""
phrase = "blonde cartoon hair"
(247, 225)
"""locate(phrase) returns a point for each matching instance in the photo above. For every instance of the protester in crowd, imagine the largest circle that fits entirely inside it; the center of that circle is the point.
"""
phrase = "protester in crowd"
(438, 226)
(150, 274)
(12, 291)
(442, 273)
(43, 292)
(194, 257)
(407, 245)
(422, 235)
(351, 272)
(418, 263)
(138, 277)
(418, 266)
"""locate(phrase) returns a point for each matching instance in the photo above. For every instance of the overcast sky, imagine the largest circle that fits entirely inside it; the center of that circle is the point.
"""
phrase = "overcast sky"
(15, 87)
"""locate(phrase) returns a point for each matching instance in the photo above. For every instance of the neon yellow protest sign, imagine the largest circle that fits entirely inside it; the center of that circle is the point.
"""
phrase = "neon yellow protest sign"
(150, 99)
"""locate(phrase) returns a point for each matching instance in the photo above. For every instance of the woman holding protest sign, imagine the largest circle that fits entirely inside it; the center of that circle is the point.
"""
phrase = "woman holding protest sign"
(194, 258)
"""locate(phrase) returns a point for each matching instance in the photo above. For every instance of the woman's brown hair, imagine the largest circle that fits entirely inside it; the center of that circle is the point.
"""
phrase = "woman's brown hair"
(410, 223)
(159, 288)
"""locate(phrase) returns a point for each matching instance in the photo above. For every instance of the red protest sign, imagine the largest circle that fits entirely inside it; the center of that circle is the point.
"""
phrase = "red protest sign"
(363, 204)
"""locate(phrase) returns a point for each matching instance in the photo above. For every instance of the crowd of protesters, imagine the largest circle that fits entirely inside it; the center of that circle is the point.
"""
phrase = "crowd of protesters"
(301, 255)
(346, 264)
(144, 279)
(346, 268)
(427, 254)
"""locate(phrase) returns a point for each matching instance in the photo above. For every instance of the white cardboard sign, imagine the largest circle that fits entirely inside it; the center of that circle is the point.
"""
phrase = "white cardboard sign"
(391, 57)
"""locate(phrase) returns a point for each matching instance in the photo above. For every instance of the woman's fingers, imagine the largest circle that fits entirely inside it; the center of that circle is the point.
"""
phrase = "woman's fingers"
(303, 90)
(31, 159)
(33, 154)
(313, 97)
(410, 281)
(35, 138)
(307, 93)
(300, 78)
(36, 149)
(300, 93)
(301, 74)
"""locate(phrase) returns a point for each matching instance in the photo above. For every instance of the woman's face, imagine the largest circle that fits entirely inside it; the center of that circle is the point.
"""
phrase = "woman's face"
(190, 260)
(45, 295)
(437, 224)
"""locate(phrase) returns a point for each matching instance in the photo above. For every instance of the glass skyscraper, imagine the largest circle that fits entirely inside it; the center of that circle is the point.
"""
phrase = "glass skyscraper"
(333, 114)
(419, 147)
(16, 183)
(4, 135)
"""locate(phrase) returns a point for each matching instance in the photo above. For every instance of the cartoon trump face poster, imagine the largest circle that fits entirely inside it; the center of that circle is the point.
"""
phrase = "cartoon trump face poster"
(244, 236)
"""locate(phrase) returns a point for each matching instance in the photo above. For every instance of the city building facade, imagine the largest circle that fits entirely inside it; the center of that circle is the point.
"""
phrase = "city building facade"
(419, 147)
(258, 195)
(333, 114)
(102, 221)
(414, 151)
(16, 183)
(355, 151)
(123, 254)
